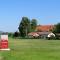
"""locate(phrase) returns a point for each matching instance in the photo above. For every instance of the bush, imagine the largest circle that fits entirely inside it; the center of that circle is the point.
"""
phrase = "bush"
(16, 34)
(10, 34)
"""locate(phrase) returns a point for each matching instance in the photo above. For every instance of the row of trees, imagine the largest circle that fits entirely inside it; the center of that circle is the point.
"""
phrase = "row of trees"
(26, 25)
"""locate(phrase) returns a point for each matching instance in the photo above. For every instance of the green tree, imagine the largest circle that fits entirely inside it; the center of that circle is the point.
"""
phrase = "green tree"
(57, 28)
(24, 26)
(10, 34)
(33, 24)
(16, 34)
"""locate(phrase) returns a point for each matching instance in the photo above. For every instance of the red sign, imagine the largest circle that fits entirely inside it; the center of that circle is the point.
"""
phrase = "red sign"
(4, 42)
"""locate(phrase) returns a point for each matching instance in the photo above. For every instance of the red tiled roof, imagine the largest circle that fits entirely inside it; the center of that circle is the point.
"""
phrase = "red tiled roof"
(44, 27)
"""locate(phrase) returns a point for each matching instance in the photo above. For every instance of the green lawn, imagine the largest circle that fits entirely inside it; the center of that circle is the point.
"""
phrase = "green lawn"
(32, 49)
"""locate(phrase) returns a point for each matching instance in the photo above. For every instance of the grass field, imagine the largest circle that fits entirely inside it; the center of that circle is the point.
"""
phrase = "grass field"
(32, 49)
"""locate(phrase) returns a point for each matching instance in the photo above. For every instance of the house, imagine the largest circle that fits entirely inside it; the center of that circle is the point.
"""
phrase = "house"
(33, 35)
(42, 31)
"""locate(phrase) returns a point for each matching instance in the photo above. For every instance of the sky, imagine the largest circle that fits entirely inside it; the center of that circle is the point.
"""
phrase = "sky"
(11, 12)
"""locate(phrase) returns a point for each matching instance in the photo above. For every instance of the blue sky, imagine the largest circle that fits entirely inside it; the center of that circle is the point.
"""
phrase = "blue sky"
(11, 12)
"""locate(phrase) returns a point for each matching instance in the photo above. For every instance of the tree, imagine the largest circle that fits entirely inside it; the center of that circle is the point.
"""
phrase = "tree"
(10, 34)
(16, 34)
(24, 26)
(57, 28)
(33, 24)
